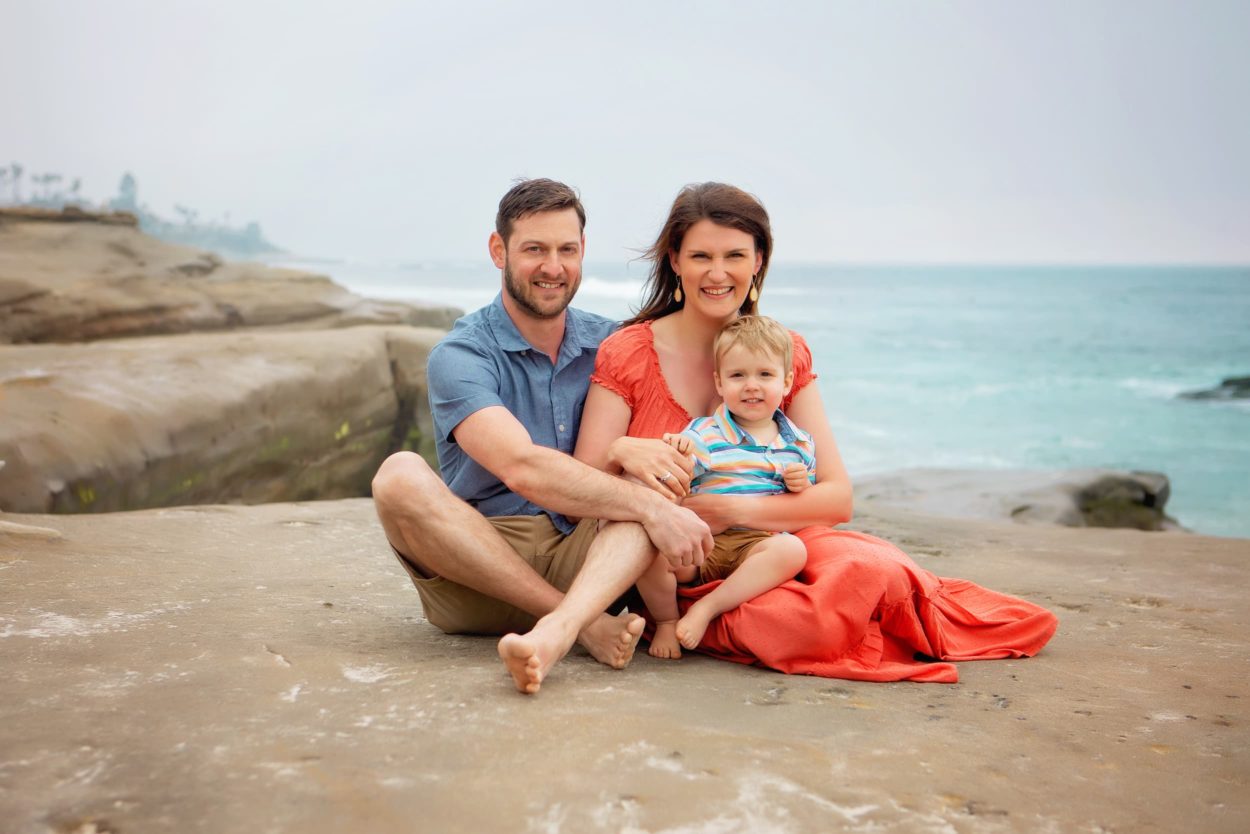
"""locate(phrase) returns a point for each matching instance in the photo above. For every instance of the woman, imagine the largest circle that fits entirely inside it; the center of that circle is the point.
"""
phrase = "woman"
(861, 608)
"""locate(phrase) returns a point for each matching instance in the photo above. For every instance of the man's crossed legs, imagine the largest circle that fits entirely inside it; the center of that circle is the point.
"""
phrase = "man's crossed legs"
(480, 575)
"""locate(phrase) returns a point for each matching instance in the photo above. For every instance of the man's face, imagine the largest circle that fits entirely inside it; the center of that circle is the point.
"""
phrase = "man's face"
(541, 262)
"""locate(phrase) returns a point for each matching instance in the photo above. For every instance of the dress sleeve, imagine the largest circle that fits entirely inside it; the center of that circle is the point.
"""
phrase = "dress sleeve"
(803, 373)
(621, 362)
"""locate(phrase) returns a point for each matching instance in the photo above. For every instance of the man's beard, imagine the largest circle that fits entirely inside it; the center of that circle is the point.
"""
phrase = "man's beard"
(522, 294)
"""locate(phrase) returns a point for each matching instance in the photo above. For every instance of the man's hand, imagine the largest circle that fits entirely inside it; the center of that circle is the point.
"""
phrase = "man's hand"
(681, 536)
(655, 464)
(795, 475)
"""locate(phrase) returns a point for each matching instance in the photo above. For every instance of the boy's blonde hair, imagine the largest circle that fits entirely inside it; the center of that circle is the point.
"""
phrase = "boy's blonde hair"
(758, 334)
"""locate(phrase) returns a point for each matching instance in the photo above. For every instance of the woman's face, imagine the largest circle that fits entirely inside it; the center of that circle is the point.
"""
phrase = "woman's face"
(715, 265)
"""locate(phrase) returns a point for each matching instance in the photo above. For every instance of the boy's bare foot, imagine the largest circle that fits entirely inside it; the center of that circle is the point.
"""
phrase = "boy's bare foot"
(530, 656)
(611, 640)
(664, 644)
(690, 628)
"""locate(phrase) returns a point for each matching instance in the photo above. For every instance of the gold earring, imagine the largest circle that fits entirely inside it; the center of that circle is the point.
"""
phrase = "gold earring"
(754, 294)
(677, 296)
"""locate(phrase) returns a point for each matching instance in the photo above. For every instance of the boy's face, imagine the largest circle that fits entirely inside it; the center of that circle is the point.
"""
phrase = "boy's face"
(752, 384)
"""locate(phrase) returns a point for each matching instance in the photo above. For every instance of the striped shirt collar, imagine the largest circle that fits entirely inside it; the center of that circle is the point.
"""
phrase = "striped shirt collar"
(739, 436)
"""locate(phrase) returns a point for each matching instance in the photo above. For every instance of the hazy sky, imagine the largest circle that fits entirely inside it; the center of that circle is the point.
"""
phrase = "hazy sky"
(882, 131)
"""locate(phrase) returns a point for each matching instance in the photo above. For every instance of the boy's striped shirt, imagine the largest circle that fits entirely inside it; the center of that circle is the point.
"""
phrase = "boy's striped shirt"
(728, 461)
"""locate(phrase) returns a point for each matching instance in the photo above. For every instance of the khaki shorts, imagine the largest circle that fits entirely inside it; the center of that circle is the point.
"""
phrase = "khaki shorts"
(554, 556)
(730, 548)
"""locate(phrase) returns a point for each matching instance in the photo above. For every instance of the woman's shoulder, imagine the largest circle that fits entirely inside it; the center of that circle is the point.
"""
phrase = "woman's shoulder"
(799, 342)
(804, 373)
(802, 353)
(624, 361)
(628, 340)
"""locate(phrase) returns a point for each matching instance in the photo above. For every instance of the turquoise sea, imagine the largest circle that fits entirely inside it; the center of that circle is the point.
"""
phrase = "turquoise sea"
(985, 367)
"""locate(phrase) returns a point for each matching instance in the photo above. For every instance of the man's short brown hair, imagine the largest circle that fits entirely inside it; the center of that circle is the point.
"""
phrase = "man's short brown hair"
(533, 196)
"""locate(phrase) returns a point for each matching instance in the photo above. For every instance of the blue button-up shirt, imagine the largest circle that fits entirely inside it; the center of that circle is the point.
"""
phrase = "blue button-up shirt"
(485, 361)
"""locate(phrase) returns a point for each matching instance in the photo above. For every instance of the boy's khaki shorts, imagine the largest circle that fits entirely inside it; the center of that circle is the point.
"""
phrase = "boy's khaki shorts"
(554, 556)
(728, 551)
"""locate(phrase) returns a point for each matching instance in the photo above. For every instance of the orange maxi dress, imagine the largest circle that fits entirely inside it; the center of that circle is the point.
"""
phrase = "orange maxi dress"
(860, 609)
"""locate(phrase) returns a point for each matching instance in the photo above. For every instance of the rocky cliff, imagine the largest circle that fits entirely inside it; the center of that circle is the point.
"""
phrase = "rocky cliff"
(282, 386)
(73, 277)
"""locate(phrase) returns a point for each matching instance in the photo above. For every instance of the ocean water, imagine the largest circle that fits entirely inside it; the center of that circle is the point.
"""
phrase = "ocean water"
(984, 367)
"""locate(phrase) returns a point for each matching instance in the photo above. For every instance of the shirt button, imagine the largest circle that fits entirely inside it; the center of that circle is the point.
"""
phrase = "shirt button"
(561, 427)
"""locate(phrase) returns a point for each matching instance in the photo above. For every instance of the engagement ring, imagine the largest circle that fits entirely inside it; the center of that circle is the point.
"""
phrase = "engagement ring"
(664, 477)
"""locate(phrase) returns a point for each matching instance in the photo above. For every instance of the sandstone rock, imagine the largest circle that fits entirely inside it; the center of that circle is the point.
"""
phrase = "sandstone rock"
(248, 417)
(1232, 388)
(84, 280)
(268, 668)
(1069, 497)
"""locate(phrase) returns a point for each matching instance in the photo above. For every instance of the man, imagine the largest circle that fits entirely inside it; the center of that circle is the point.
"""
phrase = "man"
(492, 549)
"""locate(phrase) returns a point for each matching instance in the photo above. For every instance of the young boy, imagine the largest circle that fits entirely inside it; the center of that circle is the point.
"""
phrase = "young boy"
(747, 447)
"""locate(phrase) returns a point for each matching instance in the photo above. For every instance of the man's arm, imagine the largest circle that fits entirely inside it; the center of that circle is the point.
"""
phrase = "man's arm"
(494, 438)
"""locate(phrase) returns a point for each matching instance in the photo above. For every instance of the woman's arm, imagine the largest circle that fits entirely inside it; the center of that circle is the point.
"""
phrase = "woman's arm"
(827, 502)
(603, 444)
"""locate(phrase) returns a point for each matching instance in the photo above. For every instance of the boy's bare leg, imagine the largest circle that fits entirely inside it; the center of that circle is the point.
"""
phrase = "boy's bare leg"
(620, 553)
(766, 565)
(658, 587)
(421, 515)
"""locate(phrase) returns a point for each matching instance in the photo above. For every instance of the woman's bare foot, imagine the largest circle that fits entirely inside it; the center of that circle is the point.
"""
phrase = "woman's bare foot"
(530, 656)
(664, 644)
(690, 628)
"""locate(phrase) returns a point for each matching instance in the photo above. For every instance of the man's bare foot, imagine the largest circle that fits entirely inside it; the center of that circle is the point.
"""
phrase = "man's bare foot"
(664, 644)
(611, 640)
(690, 628)
(529, 657)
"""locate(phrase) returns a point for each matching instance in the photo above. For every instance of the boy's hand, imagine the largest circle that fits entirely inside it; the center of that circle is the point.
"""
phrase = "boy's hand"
(678, 441)
(796, 477)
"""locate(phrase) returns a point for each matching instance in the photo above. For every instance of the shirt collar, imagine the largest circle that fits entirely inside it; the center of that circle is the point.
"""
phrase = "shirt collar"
(506, 334)
(729, 426)
(737, 435)
(790, 433)
(577, 336)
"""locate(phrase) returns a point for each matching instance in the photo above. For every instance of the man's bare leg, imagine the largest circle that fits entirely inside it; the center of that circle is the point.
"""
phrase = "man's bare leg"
(620, 553)
(421, 515)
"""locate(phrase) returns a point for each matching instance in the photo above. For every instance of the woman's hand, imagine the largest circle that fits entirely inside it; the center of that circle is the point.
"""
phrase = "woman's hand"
(653, 463)
(717, 511)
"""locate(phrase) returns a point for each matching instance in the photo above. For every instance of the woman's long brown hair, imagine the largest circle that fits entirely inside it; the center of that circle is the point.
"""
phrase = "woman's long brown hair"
(724, 205)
